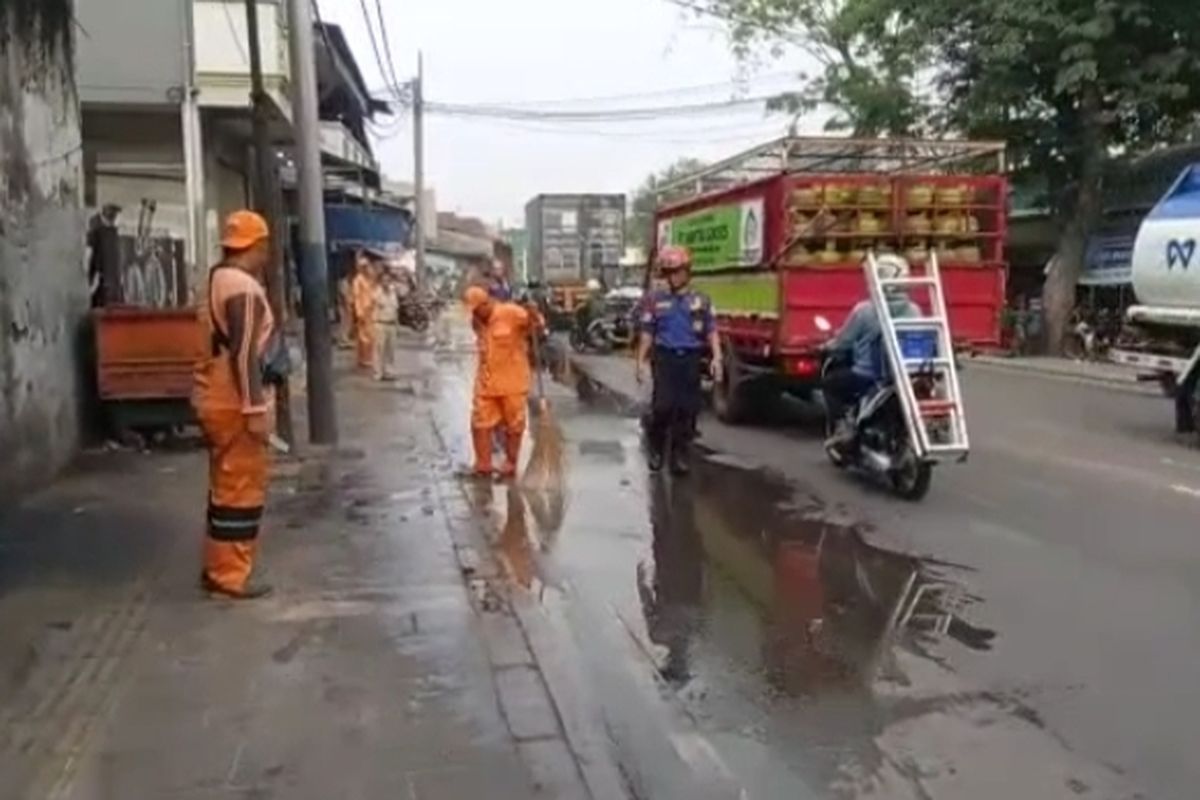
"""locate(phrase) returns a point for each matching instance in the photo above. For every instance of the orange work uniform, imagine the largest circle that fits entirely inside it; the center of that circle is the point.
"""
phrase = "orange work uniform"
(228, 392)
(363, 291)
(502, 381)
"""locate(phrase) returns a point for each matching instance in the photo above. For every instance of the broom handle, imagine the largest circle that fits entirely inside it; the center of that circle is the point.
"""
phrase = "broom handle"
(537, 364)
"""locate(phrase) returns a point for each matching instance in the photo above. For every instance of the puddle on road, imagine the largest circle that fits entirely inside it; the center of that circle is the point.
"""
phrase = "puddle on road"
(831, 604)
(769, 621)
(809, 660)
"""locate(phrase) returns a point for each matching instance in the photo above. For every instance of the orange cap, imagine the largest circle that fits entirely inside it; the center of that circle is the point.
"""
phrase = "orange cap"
(244, 229)
(476, 296)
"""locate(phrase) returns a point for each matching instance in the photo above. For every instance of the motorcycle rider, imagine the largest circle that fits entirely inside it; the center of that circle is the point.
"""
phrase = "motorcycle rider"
(591, 308)
(861, 339)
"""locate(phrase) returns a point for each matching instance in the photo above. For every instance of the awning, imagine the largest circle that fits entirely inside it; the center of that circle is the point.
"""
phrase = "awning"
(1109, 261)
(384, 229)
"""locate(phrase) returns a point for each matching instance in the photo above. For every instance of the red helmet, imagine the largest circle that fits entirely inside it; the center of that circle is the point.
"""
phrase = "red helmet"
(673, 257)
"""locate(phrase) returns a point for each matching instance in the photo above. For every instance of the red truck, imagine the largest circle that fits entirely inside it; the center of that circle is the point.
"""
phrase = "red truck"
(778, 235)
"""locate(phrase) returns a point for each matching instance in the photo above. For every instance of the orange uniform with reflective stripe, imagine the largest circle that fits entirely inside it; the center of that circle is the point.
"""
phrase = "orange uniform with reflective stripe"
(228, 392)
(362, 290)
(231, 378)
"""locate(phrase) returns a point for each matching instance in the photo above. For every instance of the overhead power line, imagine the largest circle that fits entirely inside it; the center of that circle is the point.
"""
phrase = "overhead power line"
(758, 130)
(754, 81)
(387, 49)
(603, 115)
(384, 72)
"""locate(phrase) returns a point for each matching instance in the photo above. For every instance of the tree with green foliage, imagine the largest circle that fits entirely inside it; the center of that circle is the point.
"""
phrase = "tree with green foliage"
(1066, 83)
(868, 61)
(639, 222)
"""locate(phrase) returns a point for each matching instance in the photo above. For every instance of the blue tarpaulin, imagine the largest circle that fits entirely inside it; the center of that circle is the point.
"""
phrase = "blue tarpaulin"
(384, 229)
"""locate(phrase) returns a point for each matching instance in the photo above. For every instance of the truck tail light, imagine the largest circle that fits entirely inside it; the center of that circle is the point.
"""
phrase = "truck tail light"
(803, 366)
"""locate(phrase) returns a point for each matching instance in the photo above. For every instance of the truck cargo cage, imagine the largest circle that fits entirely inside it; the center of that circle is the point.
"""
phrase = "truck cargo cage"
(920, 352)
(796, 154)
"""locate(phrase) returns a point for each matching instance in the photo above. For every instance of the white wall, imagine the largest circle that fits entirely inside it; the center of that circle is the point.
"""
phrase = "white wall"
(221, 38)
(226, 167)
(139, 156)
(106, 72)
(222, 55)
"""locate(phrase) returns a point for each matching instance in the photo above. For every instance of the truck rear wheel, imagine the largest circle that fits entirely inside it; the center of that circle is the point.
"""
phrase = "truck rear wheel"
(733, 395)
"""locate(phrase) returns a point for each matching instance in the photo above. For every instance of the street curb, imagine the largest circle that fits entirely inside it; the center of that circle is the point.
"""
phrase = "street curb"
(1129, 385)
(490, 594)
(628, 400)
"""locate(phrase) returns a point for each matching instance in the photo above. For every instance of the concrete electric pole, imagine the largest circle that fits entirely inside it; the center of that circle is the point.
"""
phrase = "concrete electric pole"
(266, 202)
(418, 100)
(314, 271)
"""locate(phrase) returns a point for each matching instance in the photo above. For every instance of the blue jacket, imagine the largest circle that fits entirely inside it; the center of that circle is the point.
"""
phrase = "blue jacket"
(678, 321)
(862, 336)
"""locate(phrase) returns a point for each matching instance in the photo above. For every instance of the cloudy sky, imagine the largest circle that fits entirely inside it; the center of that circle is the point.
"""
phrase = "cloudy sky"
(538, 53)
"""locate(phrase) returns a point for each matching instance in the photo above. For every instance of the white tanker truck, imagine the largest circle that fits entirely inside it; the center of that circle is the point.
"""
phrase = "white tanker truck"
(1162, 340)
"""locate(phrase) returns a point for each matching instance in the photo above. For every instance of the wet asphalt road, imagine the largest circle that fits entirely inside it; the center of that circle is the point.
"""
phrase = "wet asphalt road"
(1077, 522)
(1030, 630)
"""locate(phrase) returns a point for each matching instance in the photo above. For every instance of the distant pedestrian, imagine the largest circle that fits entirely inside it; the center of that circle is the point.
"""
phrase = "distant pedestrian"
(347, 333)
(677, 328)
(363, 289)
(102, 250)
(499, 287)
(235, 405)
(385, 310)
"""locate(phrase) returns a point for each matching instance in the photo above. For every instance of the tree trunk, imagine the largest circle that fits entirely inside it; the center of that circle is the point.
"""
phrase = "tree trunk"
(1058, 294)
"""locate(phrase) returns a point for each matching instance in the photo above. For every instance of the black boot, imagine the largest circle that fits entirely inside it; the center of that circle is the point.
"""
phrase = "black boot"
(681, 461)
(655, 430)
(253, 590)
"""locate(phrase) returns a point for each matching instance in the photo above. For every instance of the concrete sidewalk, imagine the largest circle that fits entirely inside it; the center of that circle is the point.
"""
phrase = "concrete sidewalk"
(387, 664)
(1067, 369)
(615, 375)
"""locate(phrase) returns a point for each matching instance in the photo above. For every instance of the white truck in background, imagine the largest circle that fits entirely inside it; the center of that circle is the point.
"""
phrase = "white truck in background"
(1162, 337)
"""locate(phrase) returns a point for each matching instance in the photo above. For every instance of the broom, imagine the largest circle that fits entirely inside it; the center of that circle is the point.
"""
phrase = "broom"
(547, 463)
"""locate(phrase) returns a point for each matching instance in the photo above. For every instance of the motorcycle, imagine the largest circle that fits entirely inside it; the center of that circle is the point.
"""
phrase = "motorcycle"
(610, 332)
(880, 444)
(613, 329)
(415, 313)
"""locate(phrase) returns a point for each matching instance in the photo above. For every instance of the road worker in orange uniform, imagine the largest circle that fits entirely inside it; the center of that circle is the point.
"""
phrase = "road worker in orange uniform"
(502, 378)
(363, 290)
(236, 407)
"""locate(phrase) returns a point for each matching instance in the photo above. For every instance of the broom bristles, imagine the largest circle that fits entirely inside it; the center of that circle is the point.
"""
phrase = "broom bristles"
(547, 461)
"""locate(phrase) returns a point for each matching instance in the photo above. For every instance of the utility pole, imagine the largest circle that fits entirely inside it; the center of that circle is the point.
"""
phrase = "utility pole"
(265, 203)
(314, 271)
(418, 99)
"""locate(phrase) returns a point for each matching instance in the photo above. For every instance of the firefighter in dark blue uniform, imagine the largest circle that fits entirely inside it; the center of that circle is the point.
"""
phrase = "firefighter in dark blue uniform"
(677, 330)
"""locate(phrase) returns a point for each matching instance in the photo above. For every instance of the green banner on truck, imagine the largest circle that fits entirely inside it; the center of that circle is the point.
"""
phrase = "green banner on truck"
(720, 237)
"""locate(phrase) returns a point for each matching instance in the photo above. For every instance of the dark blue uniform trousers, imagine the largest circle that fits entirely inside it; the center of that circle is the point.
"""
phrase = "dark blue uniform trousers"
(676, 399)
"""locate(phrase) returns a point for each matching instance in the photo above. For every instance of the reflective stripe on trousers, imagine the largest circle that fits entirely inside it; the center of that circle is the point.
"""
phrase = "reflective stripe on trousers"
(237, 490)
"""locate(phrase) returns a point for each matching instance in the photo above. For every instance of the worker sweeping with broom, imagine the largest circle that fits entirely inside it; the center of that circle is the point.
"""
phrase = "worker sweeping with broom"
(503, 378)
